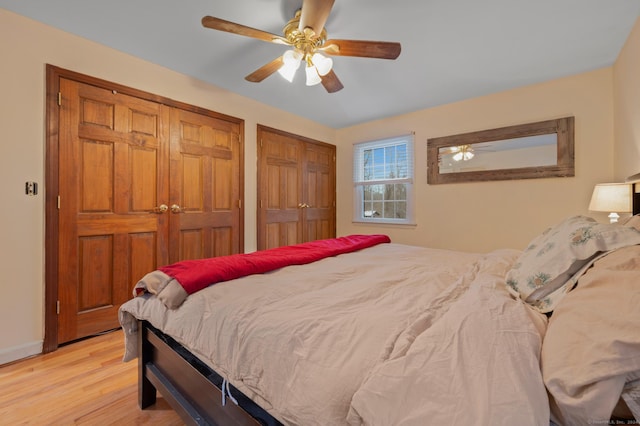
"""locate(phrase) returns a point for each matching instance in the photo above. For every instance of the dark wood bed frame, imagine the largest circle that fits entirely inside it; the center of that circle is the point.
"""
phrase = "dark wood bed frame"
(188, 387)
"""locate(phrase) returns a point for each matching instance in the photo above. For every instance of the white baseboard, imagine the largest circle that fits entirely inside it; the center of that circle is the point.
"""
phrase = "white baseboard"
(18, 352)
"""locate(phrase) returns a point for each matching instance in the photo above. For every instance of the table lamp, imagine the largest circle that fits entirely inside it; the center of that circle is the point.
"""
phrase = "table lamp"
(611, 197)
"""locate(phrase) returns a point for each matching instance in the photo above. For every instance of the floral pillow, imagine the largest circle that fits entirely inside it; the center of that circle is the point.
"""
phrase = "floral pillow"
(551, 264)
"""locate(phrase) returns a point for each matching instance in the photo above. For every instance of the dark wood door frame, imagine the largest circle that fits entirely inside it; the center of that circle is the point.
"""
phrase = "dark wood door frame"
(53, 76)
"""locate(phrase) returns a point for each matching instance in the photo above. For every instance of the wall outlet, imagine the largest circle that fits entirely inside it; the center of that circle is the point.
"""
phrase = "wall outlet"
(31, 188)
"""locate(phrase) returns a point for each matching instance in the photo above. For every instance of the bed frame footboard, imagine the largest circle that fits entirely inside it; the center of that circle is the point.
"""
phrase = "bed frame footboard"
(196, 399)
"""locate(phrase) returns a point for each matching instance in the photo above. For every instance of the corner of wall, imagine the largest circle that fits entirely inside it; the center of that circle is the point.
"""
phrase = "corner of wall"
(626, 108)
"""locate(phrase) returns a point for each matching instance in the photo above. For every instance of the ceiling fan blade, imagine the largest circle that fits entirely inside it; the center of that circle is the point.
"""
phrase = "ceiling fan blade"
(232, 27)
(331, 82)
(265, 71)
(362, 48)
(314, 14)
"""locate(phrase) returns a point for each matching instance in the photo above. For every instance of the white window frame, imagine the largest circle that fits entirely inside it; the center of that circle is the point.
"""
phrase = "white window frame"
(359, 180)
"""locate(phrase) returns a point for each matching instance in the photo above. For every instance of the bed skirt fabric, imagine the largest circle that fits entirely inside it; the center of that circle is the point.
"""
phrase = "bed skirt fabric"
(233, 395)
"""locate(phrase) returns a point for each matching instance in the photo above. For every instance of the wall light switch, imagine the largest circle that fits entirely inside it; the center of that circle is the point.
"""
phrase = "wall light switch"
(31, 188)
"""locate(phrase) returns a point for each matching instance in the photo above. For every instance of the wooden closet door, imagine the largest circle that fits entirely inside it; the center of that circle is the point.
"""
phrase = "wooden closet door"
(319, 214)
(280, 181)
(112, 183)
(205, 186)
(296, 189)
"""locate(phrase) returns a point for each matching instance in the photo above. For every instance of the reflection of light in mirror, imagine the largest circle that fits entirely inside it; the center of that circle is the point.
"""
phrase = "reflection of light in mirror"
(530, 151)
(462, 153)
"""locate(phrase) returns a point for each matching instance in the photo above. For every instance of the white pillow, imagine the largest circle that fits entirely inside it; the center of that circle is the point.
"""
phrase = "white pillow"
(550, 265)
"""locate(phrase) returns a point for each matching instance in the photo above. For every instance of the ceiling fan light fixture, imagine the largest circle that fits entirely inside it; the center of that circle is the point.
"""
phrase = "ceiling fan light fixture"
(306, 36)
(313, 77)
(322, 63)
(463, 156)
(290, 64)
(292, 57)
(287, 72)
(462, 153)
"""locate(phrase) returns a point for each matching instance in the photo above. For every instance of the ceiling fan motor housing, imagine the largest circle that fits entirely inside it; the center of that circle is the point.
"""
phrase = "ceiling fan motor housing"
(305, 41)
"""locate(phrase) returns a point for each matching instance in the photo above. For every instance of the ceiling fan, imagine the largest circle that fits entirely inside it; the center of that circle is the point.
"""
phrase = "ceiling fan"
(307, 37)
(459, 152)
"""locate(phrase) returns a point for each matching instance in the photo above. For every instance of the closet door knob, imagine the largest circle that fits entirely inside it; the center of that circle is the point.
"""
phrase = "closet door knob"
(160, 209)
(176, 208)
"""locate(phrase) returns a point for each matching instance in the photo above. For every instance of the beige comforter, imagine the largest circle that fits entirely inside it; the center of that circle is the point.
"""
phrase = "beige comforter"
(391, 334)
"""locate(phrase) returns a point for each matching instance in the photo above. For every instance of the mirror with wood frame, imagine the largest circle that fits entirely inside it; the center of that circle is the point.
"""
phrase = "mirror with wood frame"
(525, 151)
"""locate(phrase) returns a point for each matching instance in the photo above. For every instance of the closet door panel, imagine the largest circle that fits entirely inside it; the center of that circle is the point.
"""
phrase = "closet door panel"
(320, 190)
(110, 180)
(280, 184)
(205, 186)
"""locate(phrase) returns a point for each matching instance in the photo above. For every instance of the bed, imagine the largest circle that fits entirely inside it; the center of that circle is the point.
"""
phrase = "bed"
(395, 334)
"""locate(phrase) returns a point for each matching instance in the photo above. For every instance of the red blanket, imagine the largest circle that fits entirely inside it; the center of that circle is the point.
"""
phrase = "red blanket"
(195, 275)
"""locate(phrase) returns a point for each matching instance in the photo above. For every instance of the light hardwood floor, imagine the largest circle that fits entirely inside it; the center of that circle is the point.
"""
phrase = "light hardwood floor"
(84, 383)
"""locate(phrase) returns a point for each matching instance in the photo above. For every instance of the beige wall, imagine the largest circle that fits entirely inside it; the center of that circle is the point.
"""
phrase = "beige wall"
(626, 86)
(25, 47)
(488, 215)
(475, 217)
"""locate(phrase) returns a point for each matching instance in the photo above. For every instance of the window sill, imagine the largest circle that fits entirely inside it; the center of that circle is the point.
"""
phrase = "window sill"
(384, 222)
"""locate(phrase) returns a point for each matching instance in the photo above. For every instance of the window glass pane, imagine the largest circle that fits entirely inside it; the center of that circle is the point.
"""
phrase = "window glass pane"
(384, 163)
(368, 210)
(367, 193)
(367, 163)
(385, 200)
(378, 156)
(401, 192)
(389, 210)
(368, 173)
(377, 192)
(401, 152)
(378, 171)
(380, 164)
(389, 192)
(376, 208)
(389, 154)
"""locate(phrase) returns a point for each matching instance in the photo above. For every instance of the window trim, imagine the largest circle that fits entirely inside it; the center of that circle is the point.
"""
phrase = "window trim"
(358, 183)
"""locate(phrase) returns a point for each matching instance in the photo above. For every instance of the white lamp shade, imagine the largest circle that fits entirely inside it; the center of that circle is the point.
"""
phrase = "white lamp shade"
(312, 76)
(290, 64)
(322, 63)
(292, 57)
(611, 197)
(288, 71)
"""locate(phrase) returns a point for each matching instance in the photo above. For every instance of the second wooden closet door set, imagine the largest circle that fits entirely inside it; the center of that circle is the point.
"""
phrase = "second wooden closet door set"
(296, 189)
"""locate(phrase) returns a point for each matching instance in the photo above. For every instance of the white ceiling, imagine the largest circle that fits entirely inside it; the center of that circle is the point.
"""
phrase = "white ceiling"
(451, 49)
